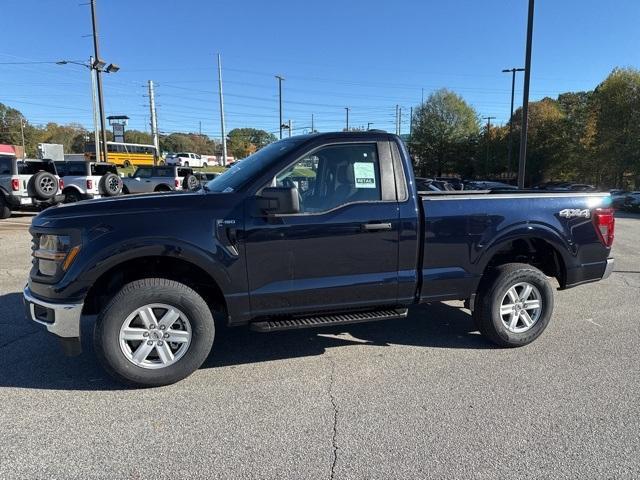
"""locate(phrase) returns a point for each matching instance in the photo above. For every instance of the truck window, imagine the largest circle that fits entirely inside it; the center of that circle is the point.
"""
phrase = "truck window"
(143, 172)
(73, 168)
(5, 165)
(31, 168)
(103, 169)
(243, 171)
(333, 176)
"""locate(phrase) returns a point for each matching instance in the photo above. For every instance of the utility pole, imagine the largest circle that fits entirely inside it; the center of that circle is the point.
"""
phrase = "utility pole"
(525, 99)
(289, 128)
(347, 110)
(410, 122)
(24, 152)
(312, 125)
(154, 122)
(280, 79)
(369, 125)
(400, 121)
(96, 53)
(422, 96)
(94, 103)
(488, 119)
(200, 127)
(513, 91)
(397, 119)
(222, 129)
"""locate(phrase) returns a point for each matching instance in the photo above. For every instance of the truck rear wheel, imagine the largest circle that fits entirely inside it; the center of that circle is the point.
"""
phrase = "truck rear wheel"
(154, 332)
(514, 305)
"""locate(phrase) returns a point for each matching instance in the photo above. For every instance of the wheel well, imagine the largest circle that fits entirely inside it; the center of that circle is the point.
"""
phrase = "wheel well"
(162, 188)
(111, 281)
(534, 251)
(71, 188)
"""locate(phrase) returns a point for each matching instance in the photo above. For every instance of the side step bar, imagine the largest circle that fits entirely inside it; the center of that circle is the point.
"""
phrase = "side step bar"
(328, 320)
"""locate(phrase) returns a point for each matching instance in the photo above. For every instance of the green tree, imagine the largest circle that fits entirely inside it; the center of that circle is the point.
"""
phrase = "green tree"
(443, 126)
(242, 142)
(616, 136)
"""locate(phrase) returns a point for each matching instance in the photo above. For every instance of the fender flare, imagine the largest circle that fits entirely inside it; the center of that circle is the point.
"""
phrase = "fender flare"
(527, 232)
(118, 254)
(74, 187)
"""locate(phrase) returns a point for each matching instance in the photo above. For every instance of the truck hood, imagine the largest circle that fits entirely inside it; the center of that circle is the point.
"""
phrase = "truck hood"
(132, 205)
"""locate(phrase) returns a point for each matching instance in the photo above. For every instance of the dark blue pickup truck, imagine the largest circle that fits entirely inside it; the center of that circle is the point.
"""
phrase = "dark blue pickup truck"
(315, 230)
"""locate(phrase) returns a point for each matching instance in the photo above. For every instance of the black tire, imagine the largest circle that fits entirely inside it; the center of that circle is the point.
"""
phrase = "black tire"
(204, 165)
(186, 164)
(71, 195)
(126, 164)
(162, 188)
(190, 182)
(43, 186)
(110, 185)
(136, 295)
(5, 211)
(489, 299)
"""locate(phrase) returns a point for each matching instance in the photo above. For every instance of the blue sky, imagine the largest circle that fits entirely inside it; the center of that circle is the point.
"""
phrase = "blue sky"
(367, 55)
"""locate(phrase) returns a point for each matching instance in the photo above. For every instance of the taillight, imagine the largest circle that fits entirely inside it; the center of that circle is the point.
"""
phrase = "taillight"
(605, 223)
(177, 182)
(15, 184)
(61, 182)
(89, 184)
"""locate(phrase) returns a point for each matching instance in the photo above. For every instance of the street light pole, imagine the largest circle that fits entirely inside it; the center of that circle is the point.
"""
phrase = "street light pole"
(347, 110)
(525, 99)
(280, 79)
(222, 125)
(96, 51)
(513, 91)
(94, 104)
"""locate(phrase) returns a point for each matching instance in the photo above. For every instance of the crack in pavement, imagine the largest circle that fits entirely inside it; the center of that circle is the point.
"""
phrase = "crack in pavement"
(334, 442)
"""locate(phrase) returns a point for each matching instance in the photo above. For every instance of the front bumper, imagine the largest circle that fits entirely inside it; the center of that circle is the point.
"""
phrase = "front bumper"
(61, 319)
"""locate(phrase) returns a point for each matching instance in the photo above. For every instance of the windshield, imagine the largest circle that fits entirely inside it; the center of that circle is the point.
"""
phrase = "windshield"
(243, 170)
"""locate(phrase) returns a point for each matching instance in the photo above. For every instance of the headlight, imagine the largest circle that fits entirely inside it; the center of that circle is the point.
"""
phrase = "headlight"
(54, 251)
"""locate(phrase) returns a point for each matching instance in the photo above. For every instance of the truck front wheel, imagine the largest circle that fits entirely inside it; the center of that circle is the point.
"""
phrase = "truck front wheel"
(514, 305)
(154, 332)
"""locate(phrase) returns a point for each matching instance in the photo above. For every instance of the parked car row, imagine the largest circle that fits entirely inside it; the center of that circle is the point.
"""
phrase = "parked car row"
(625, 200)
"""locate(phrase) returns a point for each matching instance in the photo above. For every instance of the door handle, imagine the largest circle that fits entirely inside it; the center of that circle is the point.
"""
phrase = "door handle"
(376, 227)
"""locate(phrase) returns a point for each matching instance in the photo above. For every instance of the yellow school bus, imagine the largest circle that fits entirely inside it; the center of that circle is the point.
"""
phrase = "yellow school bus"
(125, 154)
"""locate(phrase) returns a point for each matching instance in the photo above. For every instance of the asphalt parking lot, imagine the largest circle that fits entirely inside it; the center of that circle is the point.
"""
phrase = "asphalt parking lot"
(424, 397)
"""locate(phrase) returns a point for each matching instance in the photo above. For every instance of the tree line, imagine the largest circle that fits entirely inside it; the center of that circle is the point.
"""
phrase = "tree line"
(586, 137)
(241, 142)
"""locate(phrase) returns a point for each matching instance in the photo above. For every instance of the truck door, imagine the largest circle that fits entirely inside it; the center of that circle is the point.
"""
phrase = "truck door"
(341, 250)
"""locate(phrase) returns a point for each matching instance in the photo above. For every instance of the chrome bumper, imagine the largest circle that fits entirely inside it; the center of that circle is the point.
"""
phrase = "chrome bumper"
(609, 268)
(61, 319)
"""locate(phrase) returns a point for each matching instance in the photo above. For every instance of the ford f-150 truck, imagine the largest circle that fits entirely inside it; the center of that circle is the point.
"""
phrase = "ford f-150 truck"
(316, 230)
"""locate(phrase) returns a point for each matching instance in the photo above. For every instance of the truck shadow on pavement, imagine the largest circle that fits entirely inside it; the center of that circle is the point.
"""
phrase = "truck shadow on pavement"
(31, 358)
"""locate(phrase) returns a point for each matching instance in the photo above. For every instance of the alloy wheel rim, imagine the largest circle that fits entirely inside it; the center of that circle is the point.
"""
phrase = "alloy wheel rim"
(521, 307)
(46, 184)
(155, 336)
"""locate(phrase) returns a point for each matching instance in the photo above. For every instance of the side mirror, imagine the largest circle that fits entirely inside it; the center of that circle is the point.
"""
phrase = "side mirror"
(278, 201)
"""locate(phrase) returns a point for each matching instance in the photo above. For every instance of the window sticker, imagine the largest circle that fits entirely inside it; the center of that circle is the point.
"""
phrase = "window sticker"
(365, 174)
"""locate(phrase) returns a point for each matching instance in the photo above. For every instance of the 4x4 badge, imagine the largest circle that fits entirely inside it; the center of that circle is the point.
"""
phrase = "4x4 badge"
(575, 212)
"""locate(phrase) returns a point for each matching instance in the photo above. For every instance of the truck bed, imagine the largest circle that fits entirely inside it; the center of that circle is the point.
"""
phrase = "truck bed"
(463, 230)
